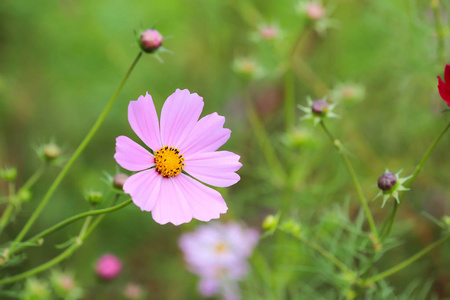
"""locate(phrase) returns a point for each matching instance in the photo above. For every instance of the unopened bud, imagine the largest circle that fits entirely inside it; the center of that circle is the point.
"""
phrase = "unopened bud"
(133, 291)
(268, 32)
(319, 107)
(150, 40)
(119, 180)
(108, 266)
(314, 10)
(51, 152)
(8, 174)
(270, 222)
(94, 197)
(24, 195)
(387, 181)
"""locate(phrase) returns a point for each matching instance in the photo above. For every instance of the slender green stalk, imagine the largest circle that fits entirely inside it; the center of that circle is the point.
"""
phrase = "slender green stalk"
(35, 177)
(68, 221)
(406, 263)
(320, 250)
(9, 209)
(75, 155)
(408, 183)
(264, 141)
(289, 101)
(439, 31)
(85, 231)
(338, 145)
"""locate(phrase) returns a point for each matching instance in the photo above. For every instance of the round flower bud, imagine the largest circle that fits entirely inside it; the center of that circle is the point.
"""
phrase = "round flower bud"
(387, 181)
(319, 107)
(119, 180)
(94, 197)
(315, 10)
(270, 222)
(268, 32)
(8, 174)
(150, 40)
(133, 291)
(51, 152)
(108, 266)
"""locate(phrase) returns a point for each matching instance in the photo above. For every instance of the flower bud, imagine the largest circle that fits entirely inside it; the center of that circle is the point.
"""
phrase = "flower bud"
(65, 285)
(51, 152)
(8, 174)
(35, 289)
(150, 40)
(314, 10)
(24, 195)
(133, 291)
(108, 266)
(94, 197)
(270, 222)
(319, 107)
(119, 180)
(268, 32)
(387, 181)
(247, 68)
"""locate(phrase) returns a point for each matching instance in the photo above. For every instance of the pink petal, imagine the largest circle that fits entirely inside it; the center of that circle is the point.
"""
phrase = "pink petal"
(171, 205)
(444, 90)
(208, 135)
(144, 188)
(205, 203)
(447, 74)
(144, 121)
(132, 156)
(214, 168)
(179, 116)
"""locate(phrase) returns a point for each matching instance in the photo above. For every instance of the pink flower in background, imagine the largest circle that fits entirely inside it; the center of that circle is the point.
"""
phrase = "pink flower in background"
(444, 87)
(181, 143)
(218, 253)
(315, 10)
(108, 266)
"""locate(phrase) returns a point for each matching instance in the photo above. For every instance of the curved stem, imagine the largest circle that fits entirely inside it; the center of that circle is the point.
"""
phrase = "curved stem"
(321, 251)
(32, 180)
(406, 263)
(68, 221)
(75, 155)
(338, 145)
(413, 177)
(86, 230)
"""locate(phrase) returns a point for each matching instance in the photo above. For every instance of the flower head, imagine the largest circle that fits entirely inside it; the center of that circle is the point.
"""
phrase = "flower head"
(444, 87)
(218, 253)
(108, 266)
(150, 40)
(390, 184)
(182, 145)
(318, 110)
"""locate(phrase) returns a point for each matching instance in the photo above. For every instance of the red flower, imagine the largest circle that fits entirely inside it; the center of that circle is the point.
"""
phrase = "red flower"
(444, 87)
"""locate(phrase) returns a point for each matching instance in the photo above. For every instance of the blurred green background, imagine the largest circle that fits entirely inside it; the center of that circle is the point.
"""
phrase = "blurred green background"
(60, 61)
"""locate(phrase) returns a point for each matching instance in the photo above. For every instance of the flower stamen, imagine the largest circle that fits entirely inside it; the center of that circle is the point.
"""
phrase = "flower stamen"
(169, 161)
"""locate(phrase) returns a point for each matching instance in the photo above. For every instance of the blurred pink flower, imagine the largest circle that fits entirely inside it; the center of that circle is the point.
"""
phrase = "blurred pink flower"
(180, 143)
(444, 87)
(315, 10)
(218, 253)
(108, 266)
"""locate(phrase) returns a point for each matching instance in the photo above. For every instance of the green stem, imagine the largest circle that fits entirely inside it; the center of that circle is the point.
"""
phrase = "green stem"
(264, 142)
(320, 250)
(289, 100)
(413, 177)
(84, 233)
(66, 222)
(9, 209)
(338, 145)
(76, 154)
(439, 31)
(406, 263)
(32, 180)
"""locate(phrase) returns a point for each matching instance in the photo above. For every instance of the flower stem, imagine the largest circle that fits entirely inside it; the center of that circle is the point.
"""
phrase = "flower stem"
(439, 31)
(32, 180)
(338, 145)
(407, 262)
(72, 159)
(264, 141)
(388, 222)
(319, 249)
(85, 231)
(9, 209)
(68, 221)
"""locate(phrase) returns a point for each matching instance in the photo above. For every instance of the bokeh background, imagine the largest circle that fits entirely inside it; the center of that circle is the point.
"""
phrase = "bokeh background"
(60, 61)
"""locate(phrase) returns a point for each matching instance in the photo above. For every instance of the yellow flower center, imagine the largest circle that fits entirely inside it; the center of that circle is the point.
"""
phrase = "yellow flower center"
(169, 161)
(221, 247)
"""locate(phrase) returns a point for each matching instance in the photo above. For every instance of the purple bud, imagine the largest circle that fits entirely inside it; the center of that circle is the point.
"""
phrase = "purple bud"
(108, 266)
(119, 180)
(319, 107)
(150, 40)
(387, 181)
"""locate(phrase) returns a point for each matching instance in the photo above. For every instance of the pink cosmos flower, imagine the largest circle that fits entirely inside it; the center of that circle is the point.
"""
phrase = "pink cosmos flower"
(183, 147)
(444, 87)
(108, 266)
